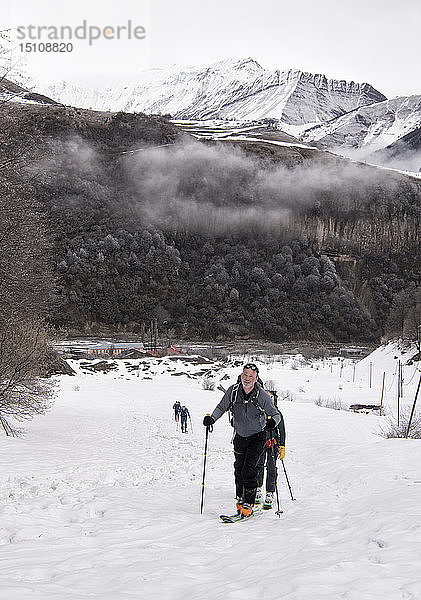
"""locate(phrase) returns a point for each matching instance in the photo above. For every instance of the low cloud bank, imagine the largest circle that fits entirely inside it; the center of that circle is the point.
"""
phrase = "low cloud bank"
(220, 188)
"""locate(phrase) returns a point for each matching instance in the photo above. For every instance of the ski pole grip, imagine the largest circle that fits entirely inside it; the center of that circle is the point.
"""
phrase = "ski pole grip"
(208, 422)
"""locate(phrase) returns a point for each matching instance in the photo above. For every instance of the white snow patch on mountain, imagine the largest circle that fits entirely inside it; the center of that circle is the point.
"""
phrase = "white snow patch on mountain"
(241, 138)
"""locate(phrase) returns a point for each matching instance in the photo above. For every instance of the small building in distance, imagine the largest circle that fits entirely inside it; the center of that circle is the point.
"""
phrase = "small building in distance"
(352, 352)
(114, 349)
(171, 350)
(132, 353)
(129, 350)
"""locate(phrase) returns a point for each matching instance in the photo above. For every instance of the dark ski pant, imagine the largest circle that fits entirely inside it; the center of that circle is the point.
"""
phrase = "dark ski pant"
(247, 451)
(183, 424)
(271, 469)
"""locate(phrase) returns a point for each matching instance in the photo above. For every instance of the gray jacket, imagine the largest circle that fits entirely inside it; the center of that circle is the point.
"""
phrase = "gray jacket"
(247, 418)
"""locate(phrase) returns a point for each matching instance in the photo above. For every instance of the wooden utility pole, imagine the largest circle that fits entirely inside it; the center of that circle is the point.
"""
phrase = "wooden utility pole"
(399, 390)
(155, 333)
(381, 399)
(413, 407)
(402, 380)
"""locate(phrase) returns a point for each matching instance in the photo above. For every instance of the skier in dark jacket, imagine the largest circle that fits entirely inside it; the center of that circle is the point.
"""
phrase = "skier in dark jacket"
(274, 448)
(253, 413)
(176, 408)
(184, 413)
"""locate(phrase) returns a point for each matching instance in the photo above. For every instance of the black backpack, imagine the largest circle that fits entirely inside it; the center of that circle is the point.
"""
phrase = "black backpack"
(234, 394)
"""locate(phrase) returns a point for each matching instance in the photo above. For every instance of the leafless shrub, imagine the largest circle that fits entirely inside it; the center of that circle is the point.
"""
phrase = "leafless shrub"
(333, 403)
(391, 429)
(24, 349)
(270, 385)
(208, 384)
(286, 396)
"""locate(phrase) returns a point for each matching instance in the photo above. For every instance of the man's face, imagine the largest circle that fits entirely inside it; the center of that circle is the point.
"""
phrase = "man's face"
(248, 378)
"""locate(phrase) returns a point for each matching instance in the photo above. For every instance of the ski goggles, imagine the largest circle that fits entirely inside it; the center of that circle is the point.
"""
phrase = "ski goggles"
(251, 366)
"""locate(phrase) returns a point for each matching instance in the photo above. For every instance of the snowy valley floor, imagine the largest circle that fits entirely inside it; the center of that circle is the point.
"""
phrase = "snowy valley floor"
(100, 499)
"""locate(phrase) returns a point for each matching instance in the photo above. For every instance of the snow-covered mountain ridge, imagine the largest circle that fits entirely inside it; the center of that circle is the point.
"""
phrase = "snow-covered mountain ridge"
(369, 128)
(240, 89)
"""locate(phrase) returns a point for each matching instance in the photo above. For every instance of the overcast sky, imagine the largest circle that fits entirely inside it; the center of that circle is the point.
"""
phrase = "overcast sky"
(374, 41)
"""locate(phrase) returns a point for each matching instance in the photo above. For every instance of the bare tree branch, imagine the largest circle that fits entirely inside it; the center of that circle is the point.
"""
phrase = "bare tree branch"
(24, 351)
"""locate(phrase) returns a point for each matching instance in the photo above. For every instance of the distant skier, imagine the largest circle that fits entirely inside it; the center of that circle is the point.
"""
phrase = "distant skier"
(184, 413)
(275, 448)
(253, 413)
(176, 408)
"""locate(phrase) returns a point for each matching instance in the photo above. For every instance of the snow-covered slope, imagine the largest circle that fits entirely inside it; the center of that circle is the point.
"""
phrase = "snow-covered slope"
(368, 129)
(100, 500)
(238, 89)
(12, 92)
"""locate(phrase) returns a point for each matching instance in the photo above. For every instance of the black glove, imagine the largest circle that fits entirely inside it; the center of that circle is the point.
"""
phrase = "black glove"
(270, 423)
(208, 421)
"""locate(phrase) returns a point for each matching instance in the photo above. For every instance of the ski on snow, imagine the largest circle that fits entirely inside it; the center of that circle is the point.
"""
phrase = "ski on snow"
(235, 518)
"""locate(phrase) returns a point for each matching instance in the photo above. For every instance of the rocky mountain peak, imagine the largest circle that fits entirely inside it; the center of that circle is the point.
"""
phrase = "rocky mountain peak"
(230, 89)
(233, 64)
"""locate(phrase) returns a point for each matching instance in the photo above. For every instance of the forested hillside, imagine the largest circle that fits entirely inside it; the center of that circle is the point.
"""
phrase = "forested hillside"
(212, 240)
